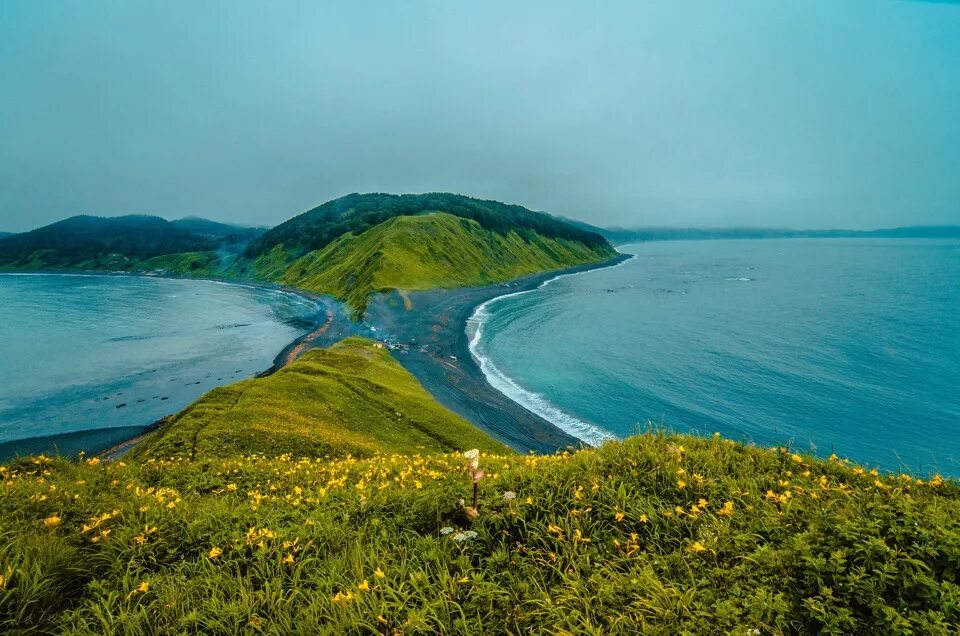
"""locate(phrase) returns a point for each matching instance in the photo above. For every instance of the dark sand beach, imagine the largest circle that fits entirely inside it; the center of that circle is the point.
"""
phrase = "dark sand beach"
(430, 329)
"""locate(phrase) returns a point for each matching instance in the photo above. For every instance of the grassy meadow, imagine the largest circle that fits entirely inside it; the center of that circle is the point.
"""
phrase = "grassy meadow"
(656, 534)
(350, 398)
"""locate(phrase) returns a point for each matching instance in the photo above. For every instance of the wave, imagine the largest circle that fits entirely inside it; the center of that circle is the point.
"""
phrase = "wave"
(533, 402)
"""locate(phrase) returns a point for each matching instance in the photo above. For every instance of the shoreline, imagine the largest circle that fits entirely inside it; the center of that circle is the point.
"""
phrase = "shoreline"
(585, 431)
(111, 442)
(427, 331)
(441, 358)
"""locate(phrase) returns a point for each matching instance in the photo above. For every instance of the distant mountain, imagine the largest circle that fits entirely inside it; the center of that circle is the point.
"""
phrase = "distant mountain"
(619, 236)
(5, 234)
(218, 231)
(94, 242)
(615, 235)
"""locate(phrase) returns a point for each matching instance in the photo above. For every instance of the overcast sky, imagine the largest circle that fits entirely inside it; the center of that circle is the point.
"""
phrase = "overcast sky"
(832, 113)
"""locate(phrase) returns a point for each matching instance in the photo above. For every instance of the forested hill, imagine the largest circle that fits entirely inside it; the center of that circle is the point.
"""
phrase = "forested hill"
(352, 247)
(218, 231)
(357, 213)
(98, 242)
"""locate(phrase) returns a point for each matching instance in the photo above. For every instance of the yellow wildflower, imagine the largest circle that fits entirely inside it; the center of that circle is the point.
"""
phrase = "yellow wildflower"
(726, 510)
(697, 547)
(143, 588)
(232, 487)
(379, 573)
(215, 552)
(643, 519)
(796, 458)
(681, 483)
(619, 516)
(340, 597)
(363, 586)
(288, 558)
(51, 521)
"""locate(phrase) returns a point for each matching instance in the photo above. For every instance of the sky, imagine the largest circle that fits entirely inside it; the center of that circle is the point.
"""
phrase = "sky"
(803, 114)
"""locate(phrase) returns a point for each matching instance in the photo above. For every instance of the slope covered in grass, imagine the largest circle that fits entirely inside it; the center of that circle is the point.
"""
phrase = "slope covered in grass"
(357, 213)
(431, 251)
(657, 534)
(350, 247)
(352, 398)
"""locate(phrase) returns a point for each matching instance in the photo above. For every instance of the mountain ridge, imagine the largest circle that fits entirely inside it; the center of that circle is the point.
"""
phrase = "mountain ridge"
(350, 247)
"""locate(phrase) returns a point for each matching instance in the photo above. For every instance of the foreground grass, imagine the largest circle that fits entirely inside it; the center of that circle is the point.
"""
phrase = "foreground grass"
(656, 534)
(352, 398)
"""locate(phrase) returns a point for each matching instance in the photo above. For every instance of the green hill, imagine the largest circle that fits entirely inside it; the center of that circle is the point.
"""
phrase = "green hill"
(352, 398)
(92, 242)
(356, 213)
(658, 534)
(350, 247)
(430, 251)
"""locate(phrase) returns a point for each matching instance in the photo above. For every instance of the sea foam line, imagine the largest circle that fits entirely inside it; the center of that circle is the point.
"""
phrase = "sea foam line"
(533, 402)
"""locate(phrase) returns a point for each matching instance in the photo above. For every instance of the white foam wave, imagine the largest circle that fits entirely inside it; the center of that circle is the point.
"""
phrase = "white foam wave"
(533, 402)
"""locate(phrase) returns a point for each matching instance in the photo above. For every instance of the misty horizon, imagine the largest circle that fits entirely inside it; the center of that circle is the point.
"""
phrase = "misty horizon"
(815, 116)
(564, 218)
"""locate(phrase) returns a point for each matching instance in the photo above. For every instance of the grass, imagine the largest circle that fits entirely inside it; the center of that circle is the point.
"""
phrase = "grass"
(427, 252)
(657, 534)
(352, 398)
(185, 264)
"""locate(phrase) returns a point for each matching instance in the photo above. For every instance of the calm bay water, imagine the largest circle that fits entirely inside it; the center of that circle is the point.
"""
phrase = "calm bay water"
(841, 345)
(110, 353)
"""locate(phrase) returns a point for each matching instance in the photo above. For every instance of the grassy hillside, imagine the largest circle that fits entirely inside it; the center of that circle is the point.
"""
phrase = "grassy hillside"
(657, 534)
(349, 247)
(185, 264)
(352, 398)
(357, 213)
(430, 251)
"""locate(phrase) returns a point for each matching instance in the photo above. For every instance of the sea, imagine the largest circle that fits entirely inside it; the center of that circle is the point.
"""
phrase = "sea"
(846, 346)
(87, 361)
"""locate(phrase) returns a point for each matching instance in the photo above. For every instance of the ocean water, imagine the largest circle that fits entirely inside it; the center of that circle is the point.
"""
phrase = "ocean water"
(113, 354)
(847, 346)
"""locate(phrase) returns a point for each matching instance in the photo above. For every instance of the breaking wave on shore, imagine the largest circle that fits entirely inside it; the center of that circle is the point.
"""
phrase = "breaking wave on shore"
(530, 400)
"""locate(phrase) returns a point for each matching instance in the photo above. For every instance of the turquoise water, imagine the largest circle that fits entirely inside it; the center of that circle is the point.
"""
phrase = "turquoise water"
(112, 354)
(850, 346)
